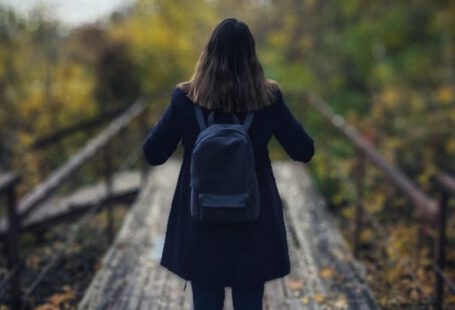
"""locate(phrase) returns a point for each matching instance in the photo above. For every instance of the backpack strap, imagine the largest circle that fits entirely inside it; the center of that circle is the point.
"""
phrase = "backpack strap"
(248, 120)
(235, 118)
(200, 117)
(211, 118)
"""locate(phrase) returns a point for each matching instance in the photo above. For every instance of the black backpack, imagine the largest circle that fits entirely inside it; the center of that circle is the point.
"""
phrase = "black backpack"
(224, 185)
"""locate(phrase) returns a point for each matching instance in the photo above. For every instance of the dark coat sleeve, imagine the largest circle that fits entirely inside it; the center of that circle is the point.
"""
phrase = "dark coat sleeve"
(291, 134)
(163, 138)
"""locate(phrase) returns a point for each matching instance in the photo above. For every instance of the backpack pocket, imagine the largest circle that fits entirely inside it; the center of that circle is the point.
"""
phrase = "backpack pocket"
(211, 200)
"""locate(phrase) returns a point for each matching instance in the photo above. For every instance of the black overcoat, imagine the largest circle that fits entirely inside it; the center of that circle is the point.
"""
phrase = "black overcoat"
(227, 254)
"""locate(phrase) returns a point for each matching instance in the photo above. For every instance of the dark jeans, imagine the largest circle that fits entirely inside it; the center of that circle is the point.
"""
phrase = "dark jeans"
(212, 298)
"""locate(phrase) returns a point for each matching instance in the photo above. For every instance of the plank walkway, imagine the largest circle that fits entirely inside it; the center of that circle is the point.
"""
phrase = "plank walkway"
(323, 273)
(125, 188)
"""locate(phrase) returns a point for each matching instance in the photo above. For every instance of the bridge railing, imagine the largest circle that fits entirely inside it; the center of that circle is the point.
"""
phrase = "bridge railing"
(8, 182)
(84, 125)
(431, 210)
(446, 185)
(18, 211)
(64, 172)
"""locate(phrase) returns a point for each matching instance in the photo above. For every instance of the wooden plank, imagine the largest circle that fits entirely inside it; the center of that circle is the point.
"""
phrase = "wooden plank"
(186, 299)
(7, 180)
(314, 245)
(335, 277)
(135, 249)
(446, 180)
(60, 208)
(274, 295)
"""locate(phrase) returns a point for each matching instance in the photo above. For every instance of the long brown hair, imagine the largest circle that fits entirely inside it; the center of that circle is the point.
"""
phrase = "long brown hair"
(228, 75)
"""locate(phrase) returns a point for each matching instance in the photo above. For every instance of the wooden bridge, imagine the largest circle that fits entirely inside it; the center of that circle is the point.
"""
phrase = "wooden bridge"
(323, 275)
(324, 271)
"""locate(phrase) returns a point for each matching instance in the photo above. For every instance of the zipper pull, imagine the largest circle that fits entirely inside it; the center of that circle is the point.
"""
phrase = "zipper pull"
(184, 288)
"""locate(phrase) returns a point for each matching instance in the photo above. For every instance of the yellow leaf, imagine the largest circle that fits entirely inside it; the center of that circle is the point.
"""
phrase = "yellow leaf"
(327, 272)
(451, 145)
(341, 302)
(366, 235)
(47, 307)
(347, 213)
(304, 300)
(450, 299)
(445, 94)
(319, 298)
(60, 298)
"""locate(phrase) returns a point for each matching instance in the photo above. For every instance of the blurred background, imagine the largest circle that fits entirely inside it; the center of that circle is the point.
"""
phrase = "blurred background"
(69, 68)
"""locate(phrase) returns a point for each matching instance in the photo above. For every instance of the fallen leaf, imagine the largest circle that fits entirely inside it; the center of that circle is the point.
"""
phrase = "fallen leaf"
(304, 300)
(294, 284)
(319, 298)
(58, 299)
(47, 307)
(327, 272)
(341, 303)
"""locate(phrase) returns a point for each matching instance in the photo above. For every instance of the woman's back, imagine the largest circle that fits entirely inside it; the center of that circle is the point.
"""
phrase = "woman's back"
(180, 122)
(228, 78)
(198, 251)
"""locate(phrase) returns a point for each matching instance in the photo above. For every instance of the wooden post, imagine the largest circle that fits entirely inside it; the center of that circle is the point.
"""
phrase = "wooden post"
(440, 249)
(13, 247)
(108, 179)
(359, 175)
(328, 171)
(143, 129)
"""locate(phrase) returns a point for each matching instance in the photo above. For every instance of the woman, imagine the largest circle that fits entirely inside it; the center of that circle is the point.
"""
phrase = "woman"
(228, 78)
